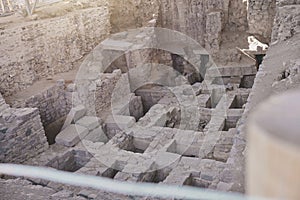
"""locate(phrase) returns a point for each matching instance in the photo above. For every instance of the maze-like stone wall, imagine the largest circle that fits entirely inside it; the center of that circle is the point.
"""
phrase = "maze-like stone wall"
(164, 144)
(149, 151)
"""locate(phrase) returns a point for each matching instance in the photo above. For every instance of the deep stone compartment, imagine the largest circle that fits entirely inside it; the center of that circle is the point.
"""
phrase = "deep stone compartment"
(151, 94)
(247, 81)
(191, 151)
(239, 101)
(53, 129)
(71, 161)
(214, 99)
(229, 124)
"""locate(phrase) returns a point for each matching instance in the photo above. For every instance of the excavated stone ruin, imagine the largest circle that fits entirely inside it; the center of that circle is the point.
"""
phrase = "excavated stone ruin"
(168, 116)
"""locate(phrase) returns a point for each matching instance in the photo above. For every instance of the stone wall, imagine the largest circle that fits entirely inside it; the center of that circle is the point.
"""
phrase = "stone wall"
(214, 27)
(96, 94)
(186, 17)
(287, 20)
(260, 17)
(132, 14)
(22, 135)
(35, 49)
(237, 16)
(53, 103)
(279, 19)
(104, 90)
(204, 21)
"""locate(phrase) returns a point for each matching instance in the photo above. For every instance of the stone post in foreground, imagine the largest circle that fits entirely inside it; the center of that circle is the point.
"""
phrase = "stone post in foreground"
(273, 160)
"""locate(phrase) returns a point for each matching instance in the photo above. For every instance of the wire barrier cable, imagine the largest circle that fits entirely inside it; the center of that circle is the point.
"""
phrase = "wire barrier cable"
(125, 188)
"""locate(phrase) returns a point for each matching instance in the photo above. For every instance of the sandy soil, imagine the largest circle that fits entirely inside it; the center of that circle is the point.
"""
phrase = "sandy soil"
(48, 11)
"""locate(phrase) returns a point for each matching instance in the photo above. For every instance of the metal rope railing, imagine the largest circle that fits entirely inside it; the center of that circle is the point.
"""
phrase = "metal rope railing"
(125, 188)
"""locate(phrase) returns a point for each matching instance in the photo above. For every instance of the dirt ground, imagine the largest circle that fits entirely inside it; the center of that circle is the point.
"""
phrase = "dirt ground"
(44, 11)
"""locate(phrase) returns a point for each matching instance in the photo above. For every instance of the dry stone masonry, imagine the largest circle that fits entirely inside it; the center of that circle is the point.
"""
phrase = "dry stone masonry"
(155, 147)
(21, 131)
(35, 49)
(261, 17)
(145, 106)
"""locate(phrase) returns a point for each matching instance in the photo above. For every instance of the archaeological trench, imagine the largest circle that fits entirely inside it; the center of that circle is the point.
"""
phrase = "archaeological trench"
(153, 91)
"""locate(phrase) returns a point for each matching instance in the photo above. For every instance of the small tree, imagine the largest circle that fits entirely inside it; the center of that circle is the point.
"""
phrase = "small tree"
(8, 4)
(30, 7)
(2, 6)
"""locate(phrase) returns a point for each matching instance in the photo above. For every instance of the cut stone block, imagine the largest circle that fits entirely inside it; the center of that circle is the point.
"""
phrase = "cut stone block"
(92, 147)
(156, 116)
(71, 135)
(89, 122)
(197, 87)
(116, 44)
(118, 123)
(75, 114)
(136, 107)
(88, 194)
(178, 178)
(120, 105)
(122, 176)
(62, 194)
(97, 135)
(166, 159)
(198, 182)
(138, 171)
(232, 71)
(224, 186)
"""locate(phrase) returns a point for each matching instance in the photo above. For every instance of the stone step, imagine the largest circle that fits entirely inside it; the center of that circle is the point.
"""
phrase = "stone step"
(71, 135)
